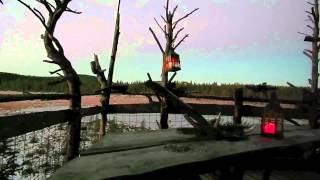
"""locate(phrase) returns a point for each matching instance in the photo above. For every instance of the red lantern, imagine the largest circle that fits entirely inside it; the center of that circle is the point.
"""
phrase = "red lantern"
(272, 119)
(172, 62)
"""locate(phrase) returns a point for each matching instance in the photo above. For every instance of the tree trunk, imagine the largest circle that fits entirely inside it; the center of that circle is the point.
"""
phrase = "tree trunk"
(74, 122)
(73, 81)
(164, 109)
(315, 61)
(164, 104)
(315, 50)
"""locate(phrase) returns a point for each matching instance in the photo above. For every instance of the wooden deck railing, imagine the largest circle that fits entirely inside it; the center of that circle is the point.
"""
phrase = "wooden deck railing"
(14, 125)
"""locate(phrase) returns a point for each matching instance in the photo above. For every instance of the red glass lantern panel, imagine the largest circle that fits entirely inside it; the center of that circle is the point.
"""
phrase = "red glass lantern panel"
(269, 127)
(172, 62)
(272, 123)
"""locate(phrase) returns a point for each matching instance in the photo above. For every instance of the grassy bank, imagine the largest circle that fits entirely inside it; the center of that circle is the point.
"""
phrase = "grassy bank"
(15, 82)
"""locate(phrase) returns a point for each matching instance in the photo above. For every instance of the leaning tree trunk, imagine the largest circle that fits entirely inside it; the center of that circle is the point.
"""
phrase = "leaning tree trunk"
(74, 122)
(56, 54)
(73, 81)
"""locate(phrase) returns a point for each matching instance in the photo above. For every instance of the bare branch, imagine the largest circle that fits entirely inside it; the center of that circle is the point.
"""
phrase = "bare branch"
(308, 55)
(149, 76)
(50, 62)
(47, 5)
(56, 71)
(303, 34)
(164, 19)
(72, 11)
(187, 35)
(310, 27)
(40, 14)
(310, 19)
(160, 26)
(307, 50)
(175, 23)
(174, 10)
(291, 85)
(175, 37)
(157, 40)
(35, 12)
(167, 9)
(309, 12)
(312, 4)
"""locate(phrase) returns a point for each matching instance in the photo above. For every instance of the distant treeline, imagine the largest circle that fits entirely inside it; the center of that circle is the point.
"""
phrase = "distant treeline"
(23, 83)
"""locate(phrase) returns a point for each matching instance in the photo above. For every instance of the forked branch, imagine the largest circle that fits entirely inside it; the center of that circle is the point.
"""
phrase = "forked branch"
(163, 30)
(37, 13)
(175, 23)
(175, 47)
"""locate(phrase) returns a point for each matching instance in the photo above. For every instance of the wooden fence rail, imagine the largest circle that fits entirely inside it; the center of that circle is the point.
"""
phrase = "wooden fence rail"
(15, 125)
(22, 97)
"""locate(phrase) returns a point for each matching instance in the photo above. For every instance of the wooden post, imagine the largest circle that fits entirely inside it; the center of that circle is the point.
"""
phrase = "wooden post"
(96, 69)
(106, 84)
(238, 103)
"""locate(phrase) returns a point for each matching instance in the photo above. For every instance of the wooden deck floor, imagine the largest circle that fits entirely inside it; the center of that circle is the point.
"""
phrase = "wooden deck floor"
(174, 152)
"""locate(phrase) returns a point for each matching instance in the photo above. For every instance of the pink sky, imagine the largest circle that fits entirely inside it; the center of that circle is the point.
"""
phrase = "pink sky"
(222, 32)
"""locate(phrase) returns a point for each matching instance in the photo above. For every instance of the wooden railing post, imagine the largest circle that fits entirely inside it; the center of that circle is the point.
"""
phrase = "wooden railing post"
(238, 103)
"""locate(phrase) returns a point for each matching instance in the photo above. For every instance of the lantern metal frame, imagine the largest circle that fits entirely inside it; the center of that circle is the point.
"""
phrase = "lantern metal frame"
(272, 116)
(172, 62)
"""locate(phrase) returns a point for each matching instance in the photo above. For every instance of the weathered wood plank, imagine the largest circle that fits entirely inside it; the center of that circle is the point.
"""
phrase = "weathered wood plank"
(175, 158)
(26, 97)
(15, 125)
(136, 140)
(193, 116)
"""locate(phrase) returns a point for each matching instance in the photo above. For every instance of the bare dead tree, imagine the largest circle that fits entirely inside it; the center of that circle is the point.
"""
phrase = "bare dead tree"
(313, 54)
(55, 53)
(96, 69)
(172, 43)
(106, 84)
